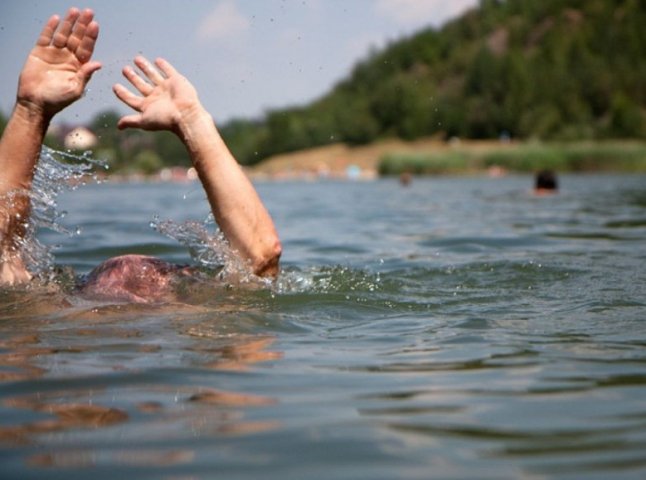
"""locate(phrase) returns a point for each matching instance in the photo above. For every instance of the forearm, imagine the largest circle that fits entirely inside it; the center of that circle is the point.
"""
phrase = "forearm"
(20, 147)
(235, 204)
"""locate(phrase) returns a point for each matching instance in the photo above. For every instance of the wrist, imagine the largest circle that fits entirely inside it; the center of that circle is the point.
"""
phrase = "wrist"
(190, 115)
(32, 114)
(192, 123)
(203, 141)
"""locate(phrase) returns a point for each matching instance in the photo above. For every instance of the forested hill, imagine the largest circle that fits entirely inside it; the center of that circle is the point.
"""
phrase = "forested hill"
(547, 69)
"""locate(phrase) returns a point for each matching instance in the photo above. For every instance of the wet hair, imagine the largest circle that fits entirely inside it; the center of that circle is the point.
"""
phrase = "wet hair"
(546, 180)
(132, 278)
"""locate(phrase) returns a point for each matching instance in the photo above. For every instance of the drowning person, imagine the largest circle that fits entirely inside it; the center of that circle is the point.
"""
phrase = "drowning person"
(54, 76)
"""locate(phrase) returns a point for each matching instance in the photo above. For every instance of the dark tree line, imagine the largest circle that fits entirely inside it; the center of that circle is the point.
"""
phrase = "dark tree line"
(547, 69)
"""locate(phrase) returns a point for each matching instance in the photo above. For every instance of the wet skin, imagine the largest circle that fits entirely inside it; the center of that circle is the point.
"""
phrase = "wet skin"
(133, 278)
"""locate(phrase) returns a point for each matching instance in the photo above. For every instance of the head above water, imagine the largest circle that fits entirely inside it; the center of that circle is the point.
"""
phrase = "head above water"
(133, 278)
(545, 182)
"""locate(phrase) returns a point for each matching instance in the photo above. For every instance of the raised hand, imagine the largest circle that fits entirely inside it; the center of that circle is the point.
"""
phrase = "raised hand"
(59, 67)
(166, 98)
(168, 101)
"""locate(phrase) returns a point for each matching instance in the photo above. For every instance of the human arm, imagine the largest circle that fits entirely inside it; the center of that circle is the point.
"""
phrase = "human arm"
(54, 76)
(168, 101)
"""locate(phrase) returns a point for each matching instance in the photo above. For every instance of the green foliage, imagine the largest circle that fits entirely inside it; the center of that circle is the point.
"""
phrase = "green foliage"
(534, 69)
(527, 157)
(147, 162)
(424, 164)
(570, 157)
(130, 149)
(626, 118)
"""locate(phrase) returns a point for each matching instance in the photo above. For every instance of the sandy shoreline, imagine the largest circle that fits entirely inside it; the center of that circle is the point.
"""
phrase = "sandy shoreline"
(360, 162)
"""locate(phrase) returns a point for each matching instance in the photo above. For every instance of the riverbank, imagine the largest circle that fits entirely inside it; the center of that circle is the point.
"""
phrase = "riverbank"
(431, 156)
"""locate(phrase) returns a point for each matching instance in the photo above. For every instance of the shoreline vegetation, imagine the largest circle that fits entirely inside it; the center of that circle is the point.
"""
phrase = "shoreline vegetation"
(608, 156)
(433, 157)
(523, 85)
(456, 157)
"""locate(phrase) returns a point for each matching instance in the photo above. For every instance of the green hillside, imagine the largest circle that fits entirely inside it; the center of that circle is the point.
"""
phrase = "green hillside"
(555, 70)
(528, 69)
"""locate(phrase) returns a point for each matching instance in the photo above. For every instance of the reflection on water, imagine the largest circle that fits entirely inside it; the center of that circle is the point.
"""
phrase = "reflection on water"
(455, 328)
(74, 378)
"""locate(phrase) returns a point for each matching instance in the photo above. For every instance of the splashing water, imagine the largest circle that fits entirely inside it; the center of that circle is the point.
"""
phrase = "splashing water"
(56, 171)
(59, 171)
(209, 250)
(213, 252)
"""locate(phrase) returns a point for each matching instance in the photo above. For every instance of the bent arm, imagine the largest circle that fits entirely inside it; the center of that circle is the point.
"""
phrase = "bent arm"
(237, 208)
(169, 102)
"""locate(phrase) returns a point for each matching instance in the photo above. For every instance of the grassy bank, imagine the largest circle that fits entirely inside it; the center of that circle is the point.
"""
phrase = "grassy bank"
(612, 156)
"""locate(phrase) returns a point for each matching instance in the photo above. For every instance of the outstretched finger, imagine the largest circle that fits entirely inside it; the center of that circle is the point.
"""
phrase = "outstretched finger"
(86, 48)
(151, 72)
(127, 97)
(48, 31)
(139, 83)
(129, 121)
(63, 33)
(75, 39)
(166, 68)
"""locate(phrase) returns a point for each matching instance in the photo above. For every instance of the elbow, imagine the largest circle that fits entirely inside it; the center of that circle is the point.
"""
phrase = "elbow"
(267, 264)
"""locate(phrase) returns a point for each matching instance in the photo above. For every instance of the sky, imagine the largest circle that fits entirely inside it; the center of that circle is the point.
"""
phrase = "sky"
(245, 57)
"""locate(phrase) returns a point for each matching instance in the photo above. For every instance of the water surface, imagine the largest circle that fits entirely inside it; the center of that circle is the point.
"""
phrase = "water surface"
(455, 328)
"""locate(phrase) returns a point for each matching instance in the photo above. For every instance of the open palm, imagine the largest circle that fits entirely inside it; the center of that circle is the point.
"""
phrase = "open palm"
(165, 96)
(59, 67)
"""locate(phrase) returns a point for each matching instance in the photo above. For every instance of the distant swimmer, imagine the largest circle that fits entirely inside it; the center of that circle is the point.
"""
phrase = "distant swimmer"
(405, 178)
(54, 76)
(545, 182)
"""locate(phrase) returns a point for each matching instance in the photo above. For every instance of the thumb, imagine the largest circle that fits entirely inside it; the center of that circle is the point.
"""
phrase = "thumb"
(88, 69)
(130, 121)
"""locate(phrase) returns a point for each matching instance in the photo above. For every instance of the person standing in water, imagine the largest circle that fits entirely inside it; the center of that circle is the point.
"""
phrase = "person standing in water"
(54, 76)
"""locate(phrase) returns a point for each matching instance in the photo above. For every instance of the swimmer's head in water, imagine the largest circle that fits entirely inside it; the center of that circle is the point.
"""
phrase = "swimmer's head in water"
(133, 278)
(545, 180)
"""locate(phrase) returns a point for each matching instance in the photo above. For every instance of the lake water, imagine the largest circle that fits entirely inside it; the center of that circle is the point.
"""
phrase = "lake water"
(454, 328)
